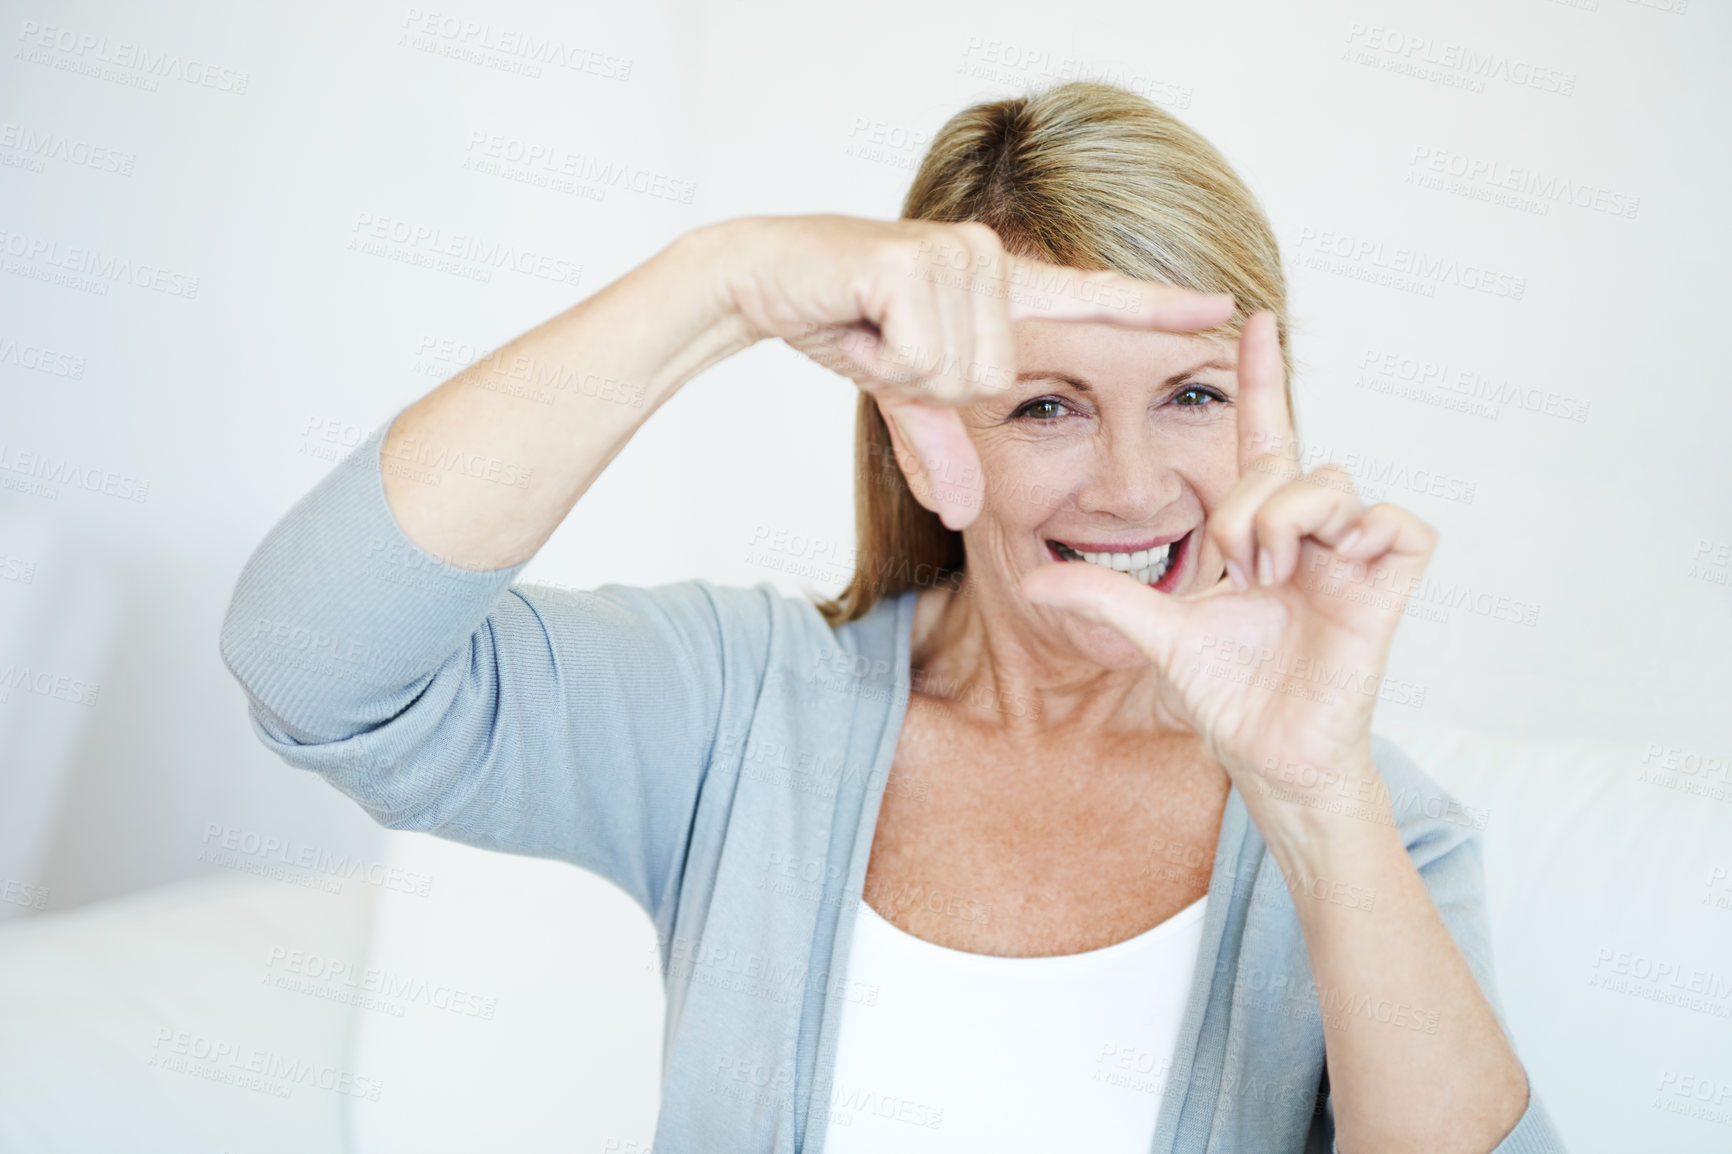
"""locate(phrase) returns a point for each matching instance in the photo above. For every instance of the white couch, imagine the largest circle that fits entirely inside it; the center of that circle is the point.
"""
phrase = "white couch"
(515, 1004)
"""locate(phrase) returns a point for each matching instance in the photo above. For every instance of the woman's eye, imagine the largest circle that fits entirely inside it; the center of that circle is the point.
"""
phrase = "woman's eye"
(1042, 409)
(1195, 396)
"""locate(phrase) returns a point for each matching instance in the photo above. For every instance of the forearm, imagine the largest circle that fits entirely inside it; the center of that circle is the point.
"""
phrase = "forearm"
(1417, 1060)
(605, 364)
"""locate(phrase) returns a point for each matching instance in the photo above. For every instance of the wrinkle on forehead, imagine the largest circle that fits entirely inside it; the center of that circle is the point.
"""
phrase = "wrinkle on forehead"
(1081, 383)
(1060, 349)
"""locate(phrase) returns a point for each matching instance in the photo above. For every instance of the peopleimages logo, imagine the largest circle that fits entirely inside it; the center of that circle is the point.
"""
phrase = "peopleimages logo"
(38, 359)
(285, 964)
(50, 472)
(482, 42)
(998, 61)
(464, 253)
(1523, 179)
(491, 153)
(43, 253)
(266, 848)
(1350, 252)
(87, 52)
(253, 1067)
(1422, 55)
(47, 683)
(1471, 385)
(36, 147)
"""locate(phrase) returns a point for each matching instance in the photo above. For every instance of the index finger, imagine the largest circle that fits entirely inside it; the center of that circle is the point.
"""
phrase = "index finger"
(1038, 289)
(1265, 421)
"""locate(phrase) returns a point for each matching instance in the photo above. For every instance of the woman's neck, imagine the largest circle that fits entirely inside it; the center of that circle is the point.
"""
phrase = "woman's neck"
(978, 647)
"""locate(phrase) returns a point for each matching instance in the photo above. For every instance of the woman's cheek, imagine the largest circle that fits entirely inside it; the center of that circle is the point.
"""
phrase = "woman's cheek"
(1024, 487)
(1210, 464)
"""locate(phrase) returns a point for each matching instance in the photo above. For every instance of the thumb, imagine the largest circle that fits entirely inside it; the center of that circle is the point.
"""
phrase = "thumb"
(1148, 619)
(945, 475)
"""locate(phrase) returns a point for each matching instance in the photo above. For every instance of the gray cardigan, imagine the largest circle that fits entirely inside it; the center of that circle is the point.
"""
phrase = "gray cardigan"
(720, 753)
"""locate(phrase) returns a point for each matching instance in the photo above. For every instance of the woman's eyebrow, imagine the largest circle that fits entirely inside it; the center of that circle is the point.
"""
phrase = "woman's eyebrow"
(1213, 363)
(1044, 375)
(1083, 386)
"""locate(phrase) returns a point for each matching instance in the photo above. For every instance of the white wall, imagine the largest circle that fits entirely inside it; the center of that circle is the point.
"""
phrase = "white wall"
(204, 412)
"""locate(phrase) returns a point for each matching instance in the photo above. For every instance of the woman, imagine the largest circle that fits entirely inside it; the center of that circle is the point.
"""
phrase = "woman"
(1063, 826)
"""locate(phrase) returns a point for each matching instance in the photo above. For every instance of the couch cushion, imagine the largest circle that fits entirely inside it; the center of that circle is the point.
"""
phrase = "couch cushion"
(171, 1021)
(1609, 887)
(540, 1022)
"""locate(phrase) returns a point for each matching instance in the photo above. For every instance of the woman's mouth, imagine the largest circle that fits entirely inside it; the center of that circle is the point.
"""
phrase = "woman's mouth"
(1149, 564)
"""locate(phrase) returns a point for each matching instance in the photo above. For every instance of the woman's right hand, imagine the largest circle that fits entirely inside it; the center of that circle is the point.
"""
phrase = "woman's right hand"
(918, 313)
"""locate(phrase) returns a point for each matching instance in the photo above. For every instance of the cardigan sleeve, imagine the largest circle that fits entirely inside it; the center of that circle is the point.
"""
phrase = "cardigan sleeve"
(573, 725)
(1447, 851)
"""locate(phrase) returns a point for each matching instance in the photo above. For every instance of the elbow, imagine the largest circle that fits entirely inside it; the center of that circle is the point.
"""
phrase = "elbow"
(232, 648)
(238, 646)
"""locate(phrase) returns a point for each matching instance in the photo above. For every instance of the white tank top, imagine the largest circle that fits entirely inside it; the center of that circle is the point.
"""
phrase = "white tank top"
(974, 1054)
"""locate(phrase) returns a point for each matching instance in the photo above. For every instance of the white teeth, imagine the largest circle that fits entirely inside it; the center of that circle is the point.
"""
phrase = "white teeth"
(1146, 565)
(1125, 562)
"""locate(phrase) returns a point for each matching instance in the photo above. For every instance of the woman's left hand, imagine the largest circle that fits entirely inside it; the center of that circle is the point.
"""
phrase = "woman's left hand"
(1279, 665)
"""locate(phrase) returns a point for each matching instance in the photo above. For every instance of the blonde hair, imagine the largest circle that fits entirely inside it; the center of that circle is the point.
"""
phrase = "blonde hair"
(1086, 175)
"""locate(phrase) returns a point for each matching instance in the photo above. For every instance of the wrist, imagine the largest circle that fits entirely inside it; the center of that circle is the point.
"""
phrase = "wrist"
(1306, 807)
(1326, 843)
(692, 275)
(724, 256)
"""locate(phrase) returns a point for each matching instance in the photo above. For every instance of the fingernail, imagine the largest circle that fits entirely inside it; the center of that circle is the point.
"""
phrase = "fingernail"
(1348, 541)
(1236, 575)
(1265, 568)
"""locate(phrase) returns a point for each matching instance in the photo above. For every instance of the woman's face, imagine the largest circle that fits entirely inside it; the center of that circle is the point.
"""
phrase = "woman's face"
(1111, 448)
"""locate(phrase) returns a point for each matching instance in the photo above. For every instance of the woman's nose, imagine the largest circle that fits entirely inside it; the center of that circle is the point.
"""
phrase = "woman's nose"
(1129, 480)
